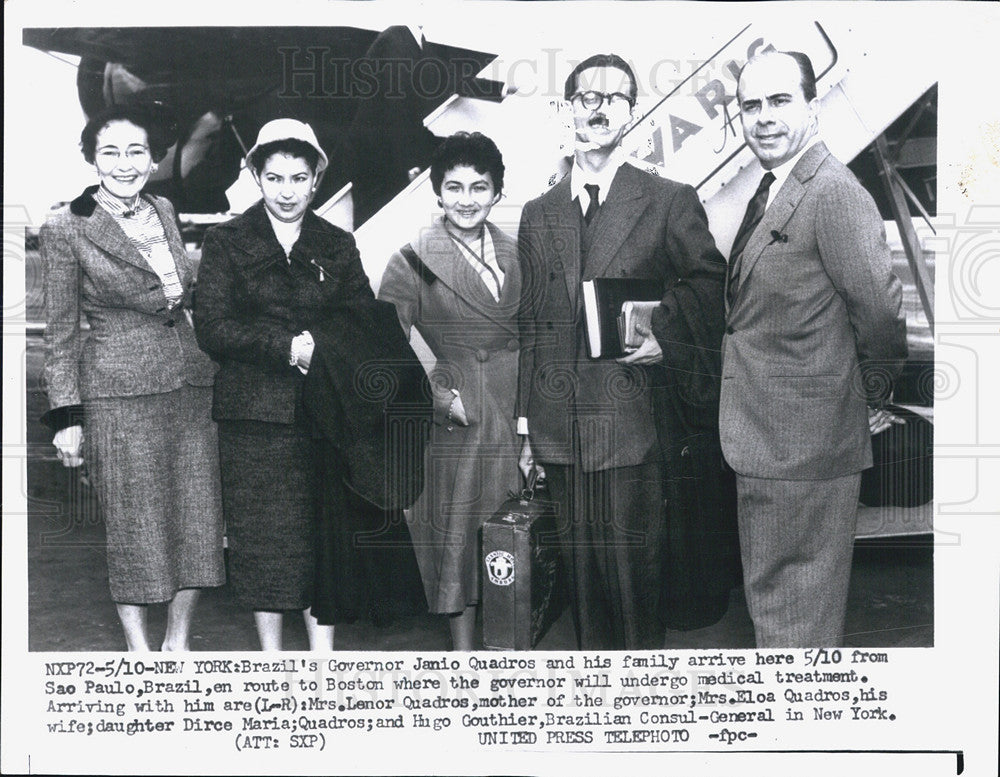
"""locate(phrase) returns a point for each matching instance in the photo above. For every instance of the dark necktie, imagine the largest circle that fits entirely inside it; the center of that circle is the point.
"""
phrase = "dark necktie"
(592, 189)
(755, 212)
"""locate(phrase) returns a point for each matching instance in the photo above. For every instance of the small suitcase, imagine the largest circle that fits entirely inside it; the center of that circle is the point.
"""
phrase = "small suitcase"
(521, 588)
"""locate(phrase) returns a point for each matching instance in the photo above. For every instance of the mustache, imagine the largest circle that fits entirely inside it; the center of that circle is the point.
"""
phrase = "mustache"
(598, 120)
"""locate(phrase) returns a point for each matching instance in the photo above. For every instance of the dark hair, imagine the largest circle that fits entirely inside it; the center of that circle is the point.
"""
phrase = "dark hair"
(157, 121)
(602, 60)
(464, 148)
(807, 76)
(291, 146)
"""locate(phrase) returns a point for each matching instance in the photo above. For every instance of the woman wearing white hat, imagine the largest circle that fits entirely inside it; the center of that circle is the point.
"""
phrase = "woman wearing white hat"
(265, 278)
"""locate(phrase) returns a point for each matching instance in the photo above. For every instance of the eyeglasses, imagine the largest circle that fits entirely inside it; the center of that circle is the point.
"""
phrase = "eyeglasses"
(132, 153)
(593, 100)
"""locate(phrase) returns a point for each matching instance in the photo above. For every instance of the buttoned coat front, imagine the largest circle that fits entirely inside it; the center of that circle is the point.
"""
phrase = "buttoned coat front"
(135, 344)
(470, 469)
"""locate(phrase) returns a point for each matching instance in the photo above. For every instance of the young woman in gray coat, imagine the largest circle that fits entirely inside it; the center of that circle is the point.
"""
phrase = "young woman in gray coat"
(458, 284)
(131, 393)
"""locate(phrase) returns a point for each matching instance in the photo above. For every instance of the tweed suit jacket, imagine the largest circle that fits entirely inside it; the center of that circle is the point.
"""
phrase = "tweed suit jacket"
(648, 227)
(252, 300)
(815, 333)
(135, 345)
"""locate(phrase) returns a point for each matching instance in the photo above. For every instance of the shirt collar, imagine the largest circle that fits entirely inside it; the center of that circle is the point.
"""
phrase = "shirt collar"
(485, 240)
(286, 233)
(115, 206)
(417, 31)
(578, 177)
(782, 171)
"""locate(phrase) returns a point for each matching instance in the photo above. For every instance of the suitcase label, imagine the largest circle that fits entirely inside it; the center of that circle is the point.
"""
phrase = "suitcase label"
(500, 567)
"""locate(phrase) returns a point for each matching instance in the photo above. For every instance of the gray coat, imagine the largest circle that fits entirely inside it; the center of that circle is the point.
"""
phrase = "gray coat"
(816, 330)
(470, 469)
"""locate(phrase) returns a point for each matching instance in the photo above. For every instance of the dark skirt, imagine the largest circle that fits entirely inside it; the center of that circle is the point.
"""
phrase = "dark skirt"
(155, 465)
(269, 489)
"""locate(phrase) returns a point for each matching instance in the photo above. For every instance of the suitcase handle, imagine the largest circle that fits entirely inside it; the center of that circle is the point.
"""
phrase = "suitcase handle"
(528, 492)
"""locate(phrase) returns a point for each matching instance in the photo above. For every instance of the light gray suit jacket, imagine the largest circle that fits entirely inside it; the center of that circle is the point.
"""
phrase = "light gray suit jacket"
(135, 345)
(815, 333)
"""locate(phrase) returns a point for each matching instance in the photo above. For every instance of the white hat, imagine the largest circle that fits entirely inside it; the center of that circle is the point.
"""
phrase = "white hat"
(285, 129)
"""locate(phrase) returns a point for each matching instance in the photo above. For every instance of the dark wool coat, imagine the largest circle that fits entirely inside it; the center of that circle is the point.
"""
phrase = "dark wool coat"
(252, 300)
(366, 393)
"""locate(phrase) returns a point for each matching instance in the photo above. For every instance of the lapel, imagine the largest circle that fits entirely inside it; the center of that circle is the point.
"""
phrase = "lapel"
(563, 213)
(185, 267)
(615, 219)
(314, 245)
(442, 257)
(780, 211)
(506, 253)
(104, 232)
(252, 234)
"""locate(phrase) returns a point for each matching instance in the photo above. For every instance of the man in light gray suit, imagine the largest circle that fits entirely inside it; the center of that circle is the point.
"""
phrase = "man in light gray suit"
(814, 337)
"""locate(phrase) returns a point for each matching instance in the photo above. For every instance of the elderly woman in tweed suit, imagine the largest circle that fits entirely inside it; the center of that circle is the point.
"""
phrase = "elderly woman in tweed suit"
(132, 395)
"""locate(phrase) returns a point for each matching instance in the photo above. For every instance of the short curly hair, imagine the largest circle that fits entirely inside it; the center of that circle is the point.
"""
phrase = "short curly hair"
(467, 148)
(157, 121)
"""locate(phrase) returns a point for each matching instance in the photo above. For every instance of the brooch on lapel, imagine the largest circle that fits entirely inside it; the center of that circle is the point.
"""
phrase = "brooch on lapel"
(778, 237)
(322, 276)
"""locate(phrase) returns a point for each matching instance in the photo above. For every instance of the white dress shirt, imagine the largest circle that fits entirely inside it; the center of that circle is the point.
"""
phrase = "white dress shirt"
(782, 171)
(578, 178)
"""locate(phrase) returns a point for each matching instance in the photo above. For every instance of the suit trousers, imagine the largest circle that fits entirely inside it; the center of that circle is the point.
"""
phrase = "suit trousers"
(797, 541)
(610, 526)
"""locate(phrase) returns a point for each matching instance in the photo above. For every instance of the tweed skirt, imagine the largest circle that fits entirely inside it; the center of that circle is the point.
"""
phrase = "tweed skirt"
(269, 493)
(154, 462)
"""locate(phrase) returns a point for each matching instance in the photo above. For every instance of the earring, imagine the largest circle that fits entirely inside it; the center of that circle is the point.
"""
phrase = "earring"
(154, 167)
(440, 204)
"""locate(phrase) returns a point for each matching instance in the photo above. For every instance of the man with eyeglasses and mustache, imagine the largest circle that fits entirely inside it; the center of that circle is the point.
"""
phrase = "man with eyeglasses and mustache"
(589, 422)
